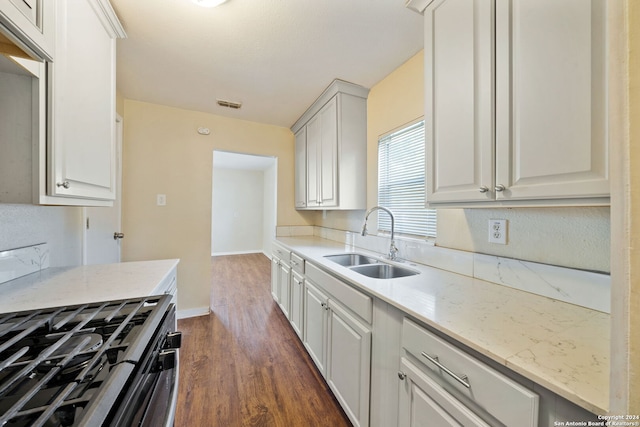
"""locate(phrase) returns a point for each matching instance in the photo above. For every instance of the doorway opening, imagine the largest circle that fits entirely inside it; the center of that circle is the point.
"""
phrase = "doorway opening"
(243, 211)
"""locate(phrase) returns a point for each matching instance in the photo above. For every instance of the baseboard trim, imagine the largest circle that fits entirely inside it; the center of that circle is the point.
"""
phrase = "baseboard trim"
(255, 251)
(193, 312)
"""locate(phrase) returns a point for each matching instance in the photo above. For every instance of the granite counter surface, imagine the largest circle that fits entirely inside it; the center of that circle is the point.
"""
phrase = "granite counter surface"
(89, 283)
(561, 346)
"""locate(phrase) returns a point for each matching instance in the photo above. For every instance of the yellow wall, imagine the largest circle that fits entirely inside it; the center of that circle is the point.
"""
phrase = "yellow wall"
(164, 154)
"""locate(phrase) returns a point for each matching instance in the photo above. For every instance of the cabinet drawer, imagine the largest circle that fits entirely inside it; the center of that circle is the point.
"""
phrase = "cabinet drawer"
(507, 401)
(281, 253)
(297, 263)
(359, 303)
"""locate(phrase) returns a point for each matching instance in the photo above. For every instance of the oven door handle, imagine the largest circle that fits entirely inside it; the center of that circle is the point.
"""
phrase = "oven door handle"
(171, 416)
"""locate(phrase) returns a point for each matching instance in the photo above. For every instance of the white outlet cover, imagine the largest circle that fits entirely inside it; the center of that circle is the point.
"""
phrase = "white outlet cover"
(161, 200)
(498, 231)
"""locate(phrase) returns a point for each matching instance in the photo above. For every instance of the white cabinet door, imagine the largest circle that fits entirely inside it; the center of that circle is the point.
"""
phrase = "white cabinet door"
(297, 303)
(329, 154)
(30, 24)
(551, 139)
(322, 157)
(284, 286)
(82, 108)
(459, 100)
(423, 403)
(314, 145)
(301, 169)
(349, 364)
(315, 324)
(275, 283)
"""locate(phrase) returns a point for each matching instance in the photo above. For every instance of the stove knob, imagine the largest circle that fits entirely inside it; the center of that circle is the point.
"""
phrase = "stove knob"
(173, 340)
(166, 360)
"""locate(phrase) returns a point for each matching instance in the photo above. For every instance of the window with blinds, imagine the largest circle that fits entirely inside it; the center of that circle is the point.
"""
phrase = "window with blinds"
(401, 182)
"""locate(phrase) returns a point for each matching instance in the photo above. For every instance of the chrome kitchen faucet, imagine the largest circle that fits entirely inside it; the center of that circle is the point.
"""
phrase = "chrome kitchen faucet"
(393, 250)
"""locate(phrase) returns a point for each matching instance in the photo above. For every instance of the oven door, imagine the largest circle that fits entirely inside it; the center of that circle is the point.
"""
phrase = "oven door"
(151, 396)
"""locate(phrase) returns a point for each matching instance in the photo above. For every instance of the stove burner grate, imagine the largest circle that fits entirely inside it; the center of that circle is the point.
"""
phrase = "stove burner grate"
(53, 361)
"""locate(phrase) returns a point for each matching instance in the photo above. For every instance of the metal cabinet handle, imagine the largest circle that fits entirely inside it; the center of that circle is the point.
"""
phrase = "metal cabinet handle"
(63, 184)
(325, 305)
(117, 236)
(483, 189)
(500, 188)
(461, 379)
(402, 375)
(294, 262)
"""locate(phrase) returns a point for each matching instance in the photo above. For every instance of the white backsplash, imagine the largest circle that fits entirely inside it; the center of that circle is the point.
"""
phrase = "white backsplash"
(583, 288)
(19, 262)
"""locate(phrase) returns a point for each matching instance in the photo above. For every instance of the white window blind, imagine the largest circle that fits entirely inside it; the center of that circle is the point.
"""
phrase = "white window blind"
(401, 182)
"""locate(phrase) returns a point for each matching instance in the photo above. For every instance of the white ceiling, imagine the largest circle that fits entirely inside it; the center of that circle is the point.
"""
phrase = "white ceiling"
(273, 56)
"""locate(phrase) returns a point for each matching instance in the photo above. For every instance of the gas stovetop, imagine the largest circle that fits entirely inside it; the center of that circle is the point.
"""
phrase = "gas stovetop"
(66, 366)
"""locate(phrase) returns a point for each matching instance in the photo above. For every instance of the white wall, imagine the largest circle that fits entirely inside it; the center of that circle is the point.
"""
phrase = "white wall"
(60, 227)
(270, 208)
(237, 211)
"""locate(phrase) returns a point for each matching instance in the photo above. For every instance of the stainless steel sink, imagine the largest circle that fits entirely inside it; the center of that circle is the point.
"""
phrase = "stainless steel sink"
(351, 259)
(384, 271)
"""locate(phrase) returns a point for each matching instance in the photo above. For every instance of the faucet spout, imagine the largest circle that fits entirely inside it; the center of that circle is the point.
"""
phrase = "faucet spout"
(393, 250)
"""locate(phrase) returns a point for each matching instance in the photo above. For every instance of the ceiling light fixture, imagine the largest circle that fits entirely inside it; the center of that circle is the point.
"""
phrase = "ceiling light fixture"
(208, 3)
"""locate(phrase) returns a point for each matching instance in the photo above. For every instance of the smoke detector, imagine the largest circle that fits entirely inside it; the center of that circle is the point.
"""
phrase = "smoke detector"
(229, 104)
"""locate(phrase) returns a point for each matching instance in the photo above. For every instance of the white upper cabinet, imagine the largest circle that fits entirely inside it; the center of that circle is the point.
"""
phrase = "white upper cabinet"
(459, 100)
(322, 157)
(30, 25)
(301, 169)
(516, 114)
(331, 150)
(81, 119)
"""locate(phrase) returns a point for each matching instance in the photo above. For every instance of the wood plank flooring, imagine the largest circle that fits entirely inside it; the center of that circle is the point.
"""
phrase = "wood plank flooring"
(243, 365)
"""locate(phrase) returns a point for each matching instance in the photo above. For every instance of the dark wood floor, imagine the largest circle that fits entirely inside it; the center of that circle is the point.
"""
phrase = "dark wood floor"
(243, 365)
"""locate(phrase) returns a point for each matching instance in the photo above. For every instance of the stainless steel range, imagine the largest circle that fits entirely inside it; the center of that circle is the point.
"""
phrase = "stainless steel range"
(100, 364)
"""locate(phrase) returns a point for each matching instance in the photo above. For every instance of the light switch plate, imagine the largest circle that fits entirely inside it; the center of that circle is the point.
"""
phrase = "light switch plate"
(498, 231)
(161, 200)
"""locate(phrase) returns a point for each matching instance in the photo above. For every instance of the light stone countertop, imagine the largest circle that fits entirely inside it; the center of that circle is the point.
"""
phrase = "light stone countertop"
(53, 287)
(561, 346)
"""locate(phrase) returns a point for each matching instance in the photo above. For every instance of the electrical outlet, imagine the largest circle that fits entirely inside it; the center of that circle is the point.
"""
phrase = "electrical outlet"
(161, 200)
(498, 231)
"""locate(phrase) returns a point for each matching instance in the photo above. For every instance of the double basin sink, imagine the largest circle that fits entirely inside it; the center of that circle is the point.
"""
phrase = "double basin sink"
(370, 267)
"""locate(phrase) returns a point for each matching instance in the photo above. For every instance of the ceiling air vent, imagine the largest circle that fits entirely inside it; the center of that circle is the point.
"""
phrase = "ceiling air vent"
(229, 104)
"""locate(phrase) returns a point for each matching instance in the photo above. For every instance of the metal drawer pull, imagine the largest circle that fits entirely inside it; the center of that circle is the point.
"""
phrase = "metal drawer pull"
(461, 379)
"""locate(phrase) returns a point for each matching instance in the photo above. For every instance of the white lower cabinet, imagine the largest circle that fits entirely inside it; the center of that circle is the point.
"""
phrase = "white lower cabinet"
(315, 324)
(349, 363)
(275, 271)
(281, 278)
(284, 288)
(297, 303)
(424, 403)
(439, 378)
(340, 346)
